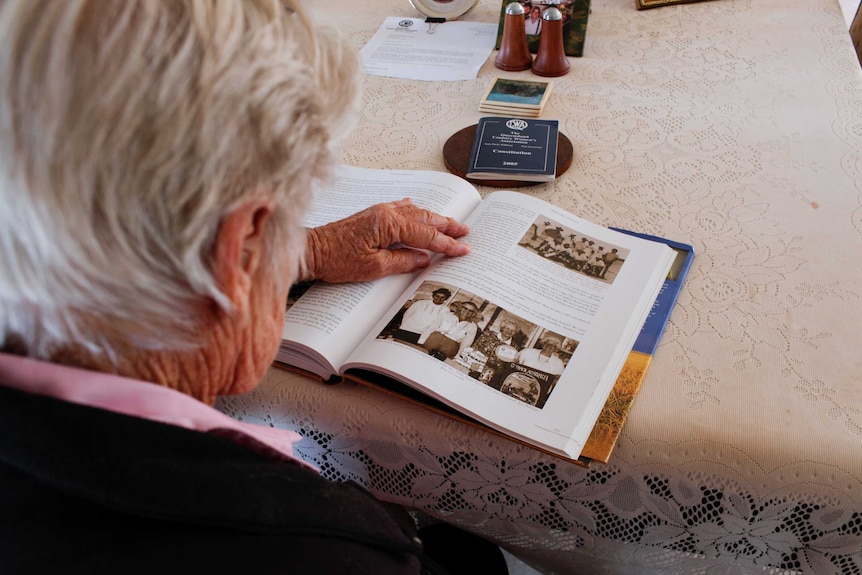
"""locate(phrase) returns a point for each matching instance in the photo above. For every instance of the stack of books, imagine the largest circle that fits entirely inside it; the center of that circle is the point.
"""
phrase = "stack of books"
(521, 98)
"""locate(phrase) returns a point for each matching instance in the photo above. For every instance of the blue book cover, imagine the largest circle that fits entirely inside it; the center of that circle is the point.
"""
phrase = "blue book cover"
(609, 425)
(522, 149)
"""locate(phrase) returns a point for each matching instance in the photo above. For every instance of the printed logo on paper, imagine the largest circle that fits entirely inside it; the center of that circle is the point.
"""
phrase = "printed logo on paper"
(516, 124)
(405, 23)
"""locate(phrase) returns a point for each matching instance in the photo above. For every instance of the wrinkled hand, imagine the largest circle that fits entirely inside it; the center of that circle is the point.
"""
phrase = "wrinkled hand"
(381, 240)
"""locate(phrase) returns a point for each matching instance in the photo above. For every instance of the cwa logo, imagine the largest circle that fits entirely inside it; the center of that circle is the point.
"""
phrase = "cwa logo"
(516, 124)
(405, 23)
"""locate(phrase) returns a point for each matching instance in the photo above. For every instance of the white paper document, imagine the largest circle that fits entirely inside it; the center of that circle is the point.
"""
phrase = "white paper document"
(416, 50)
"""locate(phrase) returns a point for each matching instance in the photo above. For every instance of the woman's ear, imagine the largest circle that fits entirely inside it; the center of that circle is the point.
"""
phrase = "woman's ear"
(240, 248)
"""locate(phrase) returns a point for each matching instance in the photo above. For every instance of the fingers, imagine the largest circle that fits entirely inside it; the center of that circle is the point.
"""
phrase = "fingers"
(423, 229)
(385, 239)
(448, 226)
(403, 260)
(428, 237)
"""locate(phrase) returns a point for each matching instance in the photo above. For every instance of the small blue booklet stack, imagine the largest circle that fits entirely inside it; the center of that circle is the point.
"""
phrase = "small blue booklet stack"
(518, 149)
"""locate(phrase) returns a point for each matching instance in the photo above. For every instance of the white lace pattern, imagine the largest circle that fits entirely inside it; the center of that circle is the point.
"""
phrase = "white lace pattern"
(732, 125)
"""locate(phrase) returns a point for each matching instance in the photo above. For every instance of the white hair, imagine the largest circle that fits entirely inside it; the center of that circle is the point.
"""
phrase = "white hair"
(128, 130)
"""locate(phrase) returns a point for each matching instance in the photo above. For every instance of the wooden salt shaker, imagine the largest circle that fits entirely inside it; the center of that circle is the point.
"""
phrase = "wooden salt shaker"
(551, 59)
(514, 54)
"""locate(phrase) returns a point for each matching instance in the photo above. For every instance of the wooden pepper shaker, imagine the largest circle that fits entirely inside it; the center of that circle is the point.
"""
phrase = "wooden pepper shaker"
(551, 59)
(514, 54)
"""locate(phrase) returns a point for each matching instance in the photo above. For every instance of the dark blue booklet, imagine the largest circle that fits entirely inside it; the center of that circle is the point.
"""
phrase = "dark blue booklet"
(519, 149)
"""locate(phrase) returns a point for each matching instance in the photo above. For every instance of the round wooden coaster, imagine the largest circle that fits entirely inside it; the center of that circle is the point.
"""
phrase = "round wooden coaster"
(456, 156)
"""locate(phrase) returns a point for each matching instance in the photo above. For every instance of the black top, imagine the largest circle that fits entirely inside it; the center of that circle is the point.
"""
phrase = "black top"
(85, 490)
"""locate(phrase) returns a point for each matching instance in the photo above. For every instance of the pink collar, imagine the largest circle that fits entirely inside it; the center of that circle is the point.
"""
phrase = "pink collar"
(135, 398)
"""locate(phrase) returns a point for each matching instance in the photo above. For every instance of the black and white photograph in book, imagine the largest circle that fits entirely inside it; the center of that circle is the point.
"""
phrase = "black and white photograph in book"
(482, 340)
(561, 245)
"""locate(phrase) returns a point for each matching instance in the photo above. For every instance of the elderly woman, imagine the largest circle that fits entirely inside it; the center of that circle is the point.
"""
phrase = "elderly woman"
(509, 334)
(544, 358)
(156, 158)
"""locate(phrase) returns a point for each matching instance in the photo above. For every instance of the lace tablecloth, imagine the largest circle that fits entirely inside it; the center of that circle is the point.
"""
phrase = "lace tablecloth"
(733, 125)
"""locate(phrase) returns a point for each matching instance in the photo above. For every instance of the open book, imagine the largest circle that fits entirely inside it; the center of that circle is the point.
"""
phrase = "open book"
(527, 334)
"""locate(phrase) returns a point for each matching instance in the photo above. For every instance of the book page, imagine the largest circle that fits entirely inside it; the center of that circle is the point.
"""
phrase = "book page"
(327, 321)
(556, 303)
